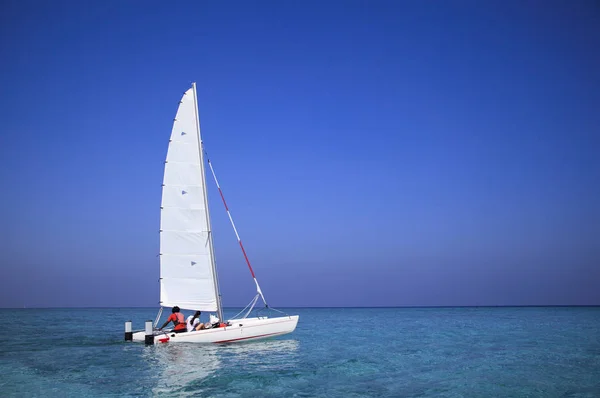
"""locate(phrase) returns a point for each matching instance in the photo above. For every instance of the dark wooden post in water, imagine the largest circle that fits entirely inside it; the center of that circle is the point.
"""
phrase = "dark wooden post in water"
(149, 339)
(128, 332)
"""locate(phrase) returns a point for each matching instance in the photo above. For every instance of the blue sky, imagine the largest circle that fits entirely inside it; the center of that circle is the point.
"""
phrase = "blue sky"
(372, 153)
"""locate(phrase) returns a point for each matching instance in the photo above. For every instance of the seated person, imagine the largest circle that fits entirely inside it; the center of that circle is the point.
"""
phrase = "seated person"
(213, 322)
(178, 321)
(193, 321)
(203, 326)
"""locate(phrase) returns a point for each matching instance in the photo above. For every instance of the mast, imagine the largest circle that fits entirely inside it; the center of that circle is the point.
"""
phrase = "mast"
(208, 224)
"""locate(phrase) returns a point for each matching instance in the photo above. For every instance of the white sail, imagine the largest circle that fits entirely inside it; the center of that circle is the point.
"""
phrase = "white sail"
(187, 269)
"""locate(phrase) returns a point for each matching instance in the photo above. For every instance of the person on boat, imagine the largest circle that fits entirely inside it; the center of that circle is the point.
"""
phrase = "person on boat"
(178, 321)
(201, 326)
(193, 321)
(207, 325)
(213, 322)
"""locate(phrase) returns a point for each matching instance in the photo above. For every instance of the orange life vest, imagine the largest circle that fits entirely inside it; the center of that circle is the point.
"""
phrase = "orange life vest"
(180, 322)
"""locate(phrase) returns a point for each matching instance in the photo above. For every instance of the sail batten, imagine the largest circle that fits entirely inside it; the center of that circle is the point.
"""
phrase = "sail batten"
(187, 262)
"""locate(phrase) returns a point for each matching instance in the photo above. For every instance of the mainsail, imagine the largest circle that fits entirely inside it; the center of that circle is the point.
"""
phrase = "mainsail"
(187, 265)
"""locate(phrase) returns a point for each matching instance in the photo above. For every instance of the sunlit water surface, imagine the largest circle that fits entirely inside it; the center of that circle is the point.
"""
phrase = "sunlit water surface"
(341, 352)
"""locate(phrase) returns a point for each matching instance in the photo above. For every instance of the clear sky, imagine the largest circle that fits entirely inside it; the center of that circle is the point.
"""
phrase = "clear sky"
(373, 153)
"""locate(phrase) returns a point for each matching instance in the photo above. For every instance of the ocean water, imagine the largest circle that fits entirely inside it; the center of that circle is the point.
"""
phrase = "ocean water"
(334, 352)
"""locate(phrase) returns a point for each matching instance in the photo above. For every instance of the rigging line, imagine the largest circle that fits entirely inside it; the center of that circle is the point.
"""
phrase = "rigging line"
(160, 311)
(235, 229)
(252, 302)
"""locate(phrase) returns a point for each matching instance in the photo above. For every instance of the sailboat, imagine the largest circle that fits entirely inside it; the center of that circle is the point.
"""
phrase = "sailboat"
(188, 274)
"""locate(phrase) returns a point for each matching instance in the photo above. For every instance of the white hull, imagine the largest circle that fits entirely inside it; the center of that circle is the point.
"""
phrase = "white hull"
(239, 331)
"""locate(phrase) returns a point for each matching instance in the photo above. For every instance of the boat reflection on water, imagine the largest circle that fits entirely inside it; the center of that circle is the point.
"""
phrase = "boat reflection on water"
(182, 367)
(178, 365)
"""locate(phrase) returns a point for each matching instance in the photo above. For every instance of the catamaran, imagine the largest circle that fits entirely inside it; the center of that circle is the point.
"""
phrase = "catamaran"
(188, 274)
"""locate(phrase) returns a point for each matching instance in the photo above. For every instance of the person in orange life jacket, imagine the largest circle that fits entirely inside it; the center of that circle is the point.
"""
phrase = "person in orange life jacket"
(178, 321)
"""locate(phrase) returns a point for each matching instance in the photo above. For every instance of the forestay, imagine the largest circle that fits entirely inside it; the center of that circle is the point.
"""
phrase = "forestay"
(187, 269)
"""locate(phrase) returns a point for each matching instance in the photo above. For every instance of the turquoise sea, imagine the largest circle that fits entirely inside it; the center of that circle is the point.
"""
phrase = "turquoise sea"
(334, 352)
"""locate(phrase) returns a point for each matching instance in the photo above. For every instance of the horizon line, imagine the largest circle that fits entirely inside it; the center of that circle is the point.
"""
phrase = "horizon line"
(329, 307)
